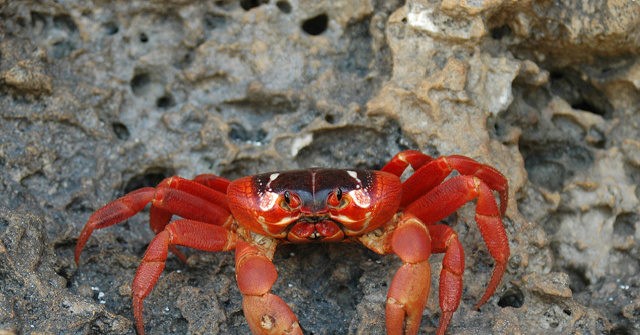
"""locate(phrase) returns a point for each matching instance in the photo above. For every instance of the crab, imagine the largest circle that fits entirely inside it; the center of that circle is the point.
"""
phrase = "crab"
(253, 215)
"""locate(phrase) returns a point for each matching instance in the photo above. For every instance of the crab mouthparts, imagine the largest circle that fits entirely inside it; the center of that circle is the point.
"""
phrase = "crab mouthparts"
(315, 229)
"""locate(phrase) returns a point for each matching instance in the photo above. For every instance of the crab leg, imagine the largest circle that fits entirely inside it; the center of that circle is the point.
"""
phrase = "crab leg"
(188, 233)
(409, 288)
(207, 186)
(403, 159)
(165, 200)
(114, 212)
(212, 181)
(447, 197)
(444, 239)
(198, 187)
(265, 312)
(431, 172)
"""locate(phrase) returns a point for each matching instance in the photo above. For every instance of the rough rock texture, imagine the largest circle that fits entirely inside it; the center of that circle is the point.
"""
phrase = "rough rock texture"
(97, 99)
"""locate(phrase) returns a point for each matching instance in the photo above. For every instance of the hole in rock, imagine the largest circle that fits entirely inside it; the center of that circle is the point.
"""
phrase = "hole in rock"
(120, 130)
(249, 4)
(139, 83)
(316, 25)
(149, 178)
(512, 297)
(165, 101)
(284, 6)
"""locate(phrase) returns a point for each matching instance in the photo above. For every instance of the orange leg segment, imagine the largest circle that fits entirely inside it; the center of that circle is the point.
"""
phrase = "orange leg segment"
(409, 288)
(489, 176)
(490, 225)
(266, 313)
(403, 159)
(213, 182)
(188, 233)
(445, 240)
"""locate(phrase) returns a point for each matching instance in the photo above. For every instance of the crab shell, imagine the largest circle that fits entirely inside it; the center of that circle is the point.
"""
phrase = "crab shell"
(326, 205)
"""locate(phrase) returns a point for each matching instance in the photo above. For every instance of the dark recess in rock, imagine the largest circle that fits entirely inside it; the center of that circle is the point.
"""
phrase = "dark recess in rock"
(315, 25)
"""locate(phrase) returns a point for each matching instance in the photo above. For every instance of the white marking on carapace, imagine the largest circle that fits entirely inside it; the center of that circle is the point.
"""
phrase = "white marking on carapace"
(360, 198)
(267, 201)
(272, 177)
(354, 175)
(313, 181)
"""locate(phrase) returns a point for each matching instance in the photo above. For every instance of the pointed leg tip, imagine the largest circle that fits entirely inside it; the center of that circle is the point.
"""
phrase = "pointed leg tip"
(77, 252)
(483, 300)
(137, 314)
(81, 242)
(444, 322)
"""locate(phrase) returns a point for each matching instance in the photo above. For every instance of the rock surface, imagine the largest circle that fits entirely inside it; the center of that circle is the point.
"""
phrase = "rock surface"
(97, 99)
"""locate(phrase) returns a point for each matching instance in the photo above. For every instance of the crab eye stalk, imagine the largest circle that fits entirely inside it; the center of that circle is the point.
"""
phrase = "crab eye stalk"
(290, 200)
(336, 198)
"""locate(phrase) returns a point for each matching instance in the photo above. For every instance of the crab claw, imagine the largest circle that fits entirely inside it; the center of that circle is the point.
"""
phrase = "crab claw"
(409, 288)
(266, 313)
(269, 314)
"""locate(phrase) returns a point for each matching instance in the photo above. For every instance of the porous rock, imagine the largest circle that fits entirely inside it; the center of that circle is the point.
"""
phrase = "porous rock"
(98, 99)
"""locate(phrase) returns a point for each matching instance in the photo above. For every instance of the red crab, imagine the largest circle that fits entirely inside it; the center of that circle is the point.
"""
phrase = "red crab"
(255, 214)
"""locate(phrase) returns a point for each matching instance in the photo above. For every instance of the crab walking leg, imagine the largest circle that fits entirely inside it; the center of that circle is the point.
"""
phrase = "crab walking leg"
(188, 233)
(409, 288)
(403, 159)
(445, 240)
(112, 213)
(203, 186)
(159, 218)
(212, 181)
(266, 313)
(490, 225)
(434, 172)
(489, 176)
(169, 200)
(447, 197)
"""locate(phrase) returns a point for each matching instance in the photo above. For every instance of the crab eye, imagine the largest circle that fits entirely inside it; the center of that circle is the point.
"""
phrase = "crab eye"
(336, 199)
(291, 200)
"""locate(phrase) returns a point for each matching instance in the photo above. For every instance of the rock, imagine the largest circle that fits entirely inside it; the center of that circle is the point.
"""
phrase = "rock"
(99, 100)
